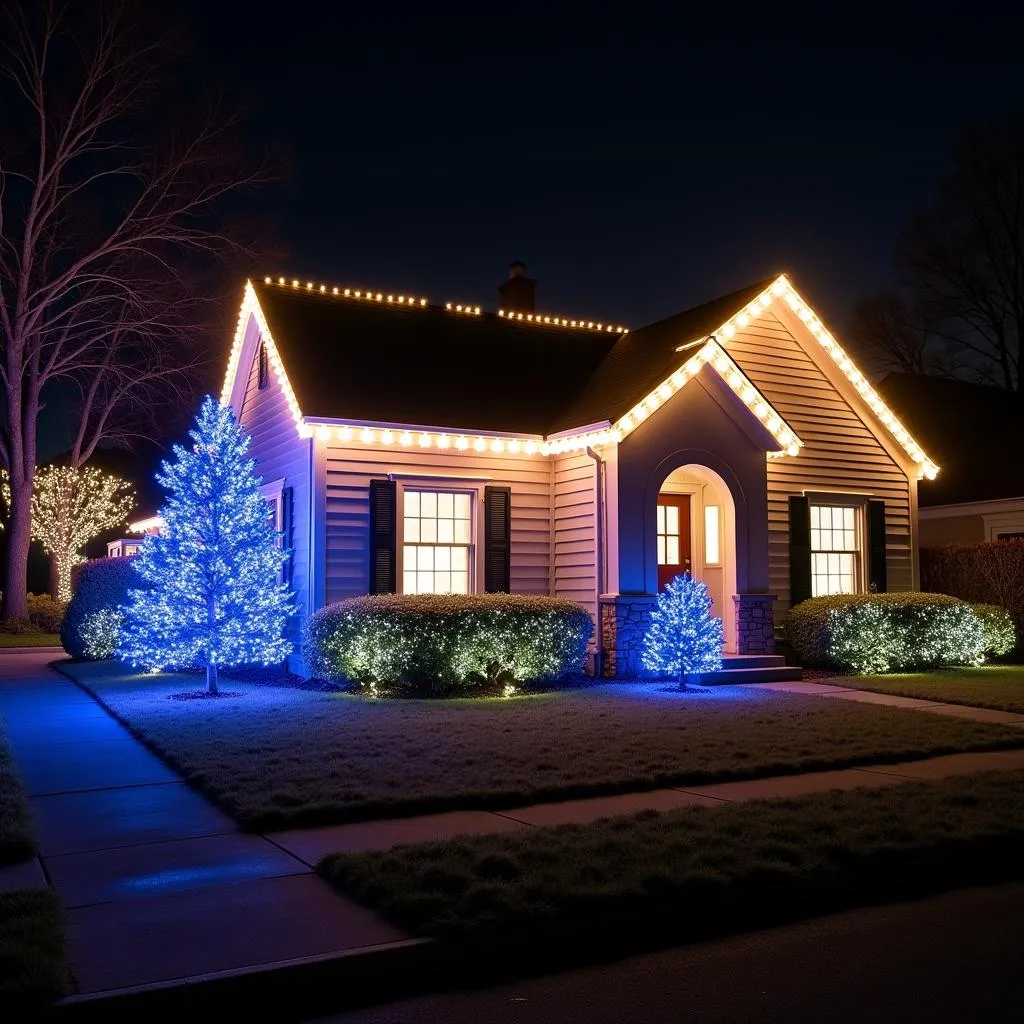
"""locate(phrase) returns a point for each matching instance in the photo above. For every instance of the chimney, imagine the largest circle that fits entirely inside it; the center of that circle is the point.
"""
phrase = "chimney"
(516, 294)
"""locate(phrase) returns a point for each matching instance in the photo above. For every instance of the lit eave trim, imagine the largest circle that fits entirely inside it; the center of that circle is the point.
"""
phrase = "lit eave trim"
(780, 288)
(410, 437)
(142, 525)
(251, 307)
(712, 354)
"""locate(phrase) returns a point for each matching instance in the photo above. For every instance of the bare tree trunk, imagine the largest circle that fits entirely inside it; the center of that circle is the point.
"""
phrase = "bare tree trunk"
(211, 679)
(19, 537)
(54, 584)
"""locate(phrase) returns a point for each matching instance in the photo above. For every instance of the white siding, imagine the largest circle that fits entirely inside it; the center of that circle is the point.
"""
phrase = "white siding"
(840, 453)
(280, 453)
(574, 564)
(350, 469)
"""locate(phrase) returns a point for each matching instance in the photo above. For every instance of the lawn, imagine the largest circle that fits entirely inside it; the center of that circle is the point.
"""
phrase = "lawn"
(16, 842)
(991, 686)
(698, 870)
(32, 965)
(29, 640)
(278, 758)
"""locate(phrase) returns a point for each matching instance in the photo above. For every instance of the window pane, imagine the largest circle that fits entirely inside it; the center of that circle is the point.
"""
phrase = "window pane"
(661, 519)
(445, 531)
(815, 517)
(460, 559)
(461, 506)
(428, 530)
(672, 551)
(428, 504)
(661, 549)
(442, 558)
(712, 552)
(424, 582)
(442, 582)
(848, 518)
(460, 583)
(412, 529)
(461, 531)
(412, 503)
(445, 506)
(815, 540)
(672, 519)
(408, 582)
(425, 558)
(408, 557)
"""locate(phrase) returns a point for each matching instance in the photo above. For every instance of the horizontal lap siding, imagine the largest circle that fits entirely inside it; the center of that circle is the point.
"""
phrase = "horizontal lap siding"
(574, 561)
(349, 471)
(840, 453)
(280, 452)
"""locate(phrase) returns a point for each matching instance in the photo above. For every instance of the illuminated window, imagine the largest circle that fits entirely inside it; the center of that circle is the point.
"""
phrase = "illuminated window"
(668, 535)
(835, 550)
(712, 535)
(436, 533)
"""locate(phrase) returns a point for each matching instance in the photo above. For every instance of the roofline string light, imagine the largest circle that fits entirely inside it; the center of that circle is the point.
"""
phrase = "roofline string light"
(409, 301)
(556, 321)
(712, 354)
(781, 288)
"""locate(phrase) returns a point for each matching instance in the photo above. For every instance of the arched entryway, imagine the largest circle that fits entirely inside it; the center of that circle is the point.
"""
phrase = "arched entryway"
(695, 532)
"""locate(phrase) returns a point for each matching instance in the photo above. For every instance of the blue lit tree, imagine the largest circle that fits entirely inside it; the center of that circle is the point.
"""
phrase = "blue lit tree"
(684, 638)
(214, 569)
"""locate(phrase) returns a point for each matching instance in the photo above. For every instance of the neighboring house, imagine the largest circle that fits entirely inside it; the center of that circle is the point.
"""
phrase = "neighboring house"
(123, 547)
(412, 447)
(974, 431)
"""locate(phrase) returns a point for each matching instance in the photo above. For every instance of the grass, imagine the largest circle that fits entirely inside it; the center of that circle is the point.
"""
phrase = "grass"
(700, 870)
(991, 686)
(279, 758)
(16, 842)
(33, 971)
(29, 640)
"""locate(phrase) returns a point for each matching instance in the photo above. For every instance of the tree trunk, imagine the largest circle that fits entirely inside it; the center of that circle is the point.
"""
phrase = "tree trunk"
(211, 679)
(54, 578)
(19, 537)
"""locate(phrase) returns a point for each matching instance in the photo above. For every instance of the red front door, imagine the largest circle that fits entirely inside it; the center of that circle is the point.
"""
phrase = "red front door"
(673, 536)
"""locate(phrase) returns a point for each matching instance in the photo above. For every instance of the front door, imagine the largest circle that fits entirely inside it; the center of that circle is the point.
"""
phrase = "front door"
(673, 536)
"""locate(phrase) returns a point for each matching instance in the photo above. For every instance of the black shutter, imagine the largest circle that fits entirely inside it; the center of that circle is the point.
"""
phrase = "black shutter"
(497, 539)
(263, 370)
(799, 549)
(383, 516)
(286, 532)
(877, 579)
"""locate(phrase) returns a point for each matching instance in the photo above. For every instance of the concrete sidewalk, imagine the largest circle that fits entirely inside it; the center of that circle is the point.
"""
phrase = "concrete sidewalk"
(156, 883)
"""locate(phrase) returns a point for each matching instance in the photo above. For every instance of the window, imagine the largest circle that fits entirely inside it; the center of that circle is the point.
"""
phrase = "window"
(436, 533)
(668, 535)
(835, 550)
(264, 369)
(712, 535)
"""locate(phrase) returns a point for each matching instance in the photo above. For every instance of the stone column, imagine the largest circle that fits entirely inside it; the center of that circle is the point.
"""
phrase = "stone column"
(624, 621)
(755, 623)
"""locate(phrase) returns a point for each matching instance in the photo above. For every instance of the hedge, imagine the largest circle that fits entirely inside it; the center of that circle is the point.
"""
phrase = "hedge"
(93, 619)
(432, 645)
(45, 613)
(894, 632)
(990, 573)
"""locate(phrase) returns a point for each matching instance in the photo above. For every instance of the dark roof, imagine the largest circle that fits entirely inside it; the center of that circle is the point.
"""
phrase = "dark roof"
(427, 366)
(351, 359)
(642, 359)
(972, 432)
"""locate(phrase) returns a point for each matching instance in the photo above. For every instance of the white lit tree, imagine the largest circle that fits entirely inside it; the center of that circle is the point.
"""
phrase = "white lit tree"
(216, 598)
(684, 639)
(70, 507)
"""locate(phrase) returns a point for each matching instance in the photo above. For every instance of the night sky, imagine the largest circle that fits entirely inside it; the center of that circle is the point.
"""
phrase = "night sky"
(639, 163)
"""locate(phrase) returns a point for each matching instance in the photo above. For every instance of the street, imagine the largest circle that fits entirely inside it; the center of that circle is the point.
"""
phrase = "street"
(956, 957)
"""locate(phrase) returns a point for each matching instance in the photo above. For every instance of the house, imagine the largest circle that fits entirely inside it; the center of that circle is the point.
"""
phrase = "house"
(974, 430)
(414, 447)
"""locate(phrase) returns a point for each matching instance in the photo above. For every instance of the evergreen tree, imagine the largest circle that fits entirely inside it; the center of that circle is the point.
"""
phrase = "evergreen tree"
(684, 638)
(216, 598)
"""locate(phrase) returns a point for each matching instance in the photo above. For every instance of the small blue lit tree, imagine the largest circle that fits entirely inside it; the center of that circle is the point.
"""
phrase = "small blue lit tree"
(216, 597)
(684, 639)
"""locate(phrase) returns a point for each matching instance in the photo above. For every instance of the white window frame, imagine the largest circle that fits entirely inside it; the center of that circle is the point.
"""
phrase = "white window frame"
(441, 485)
(712, 563)
(857, 504)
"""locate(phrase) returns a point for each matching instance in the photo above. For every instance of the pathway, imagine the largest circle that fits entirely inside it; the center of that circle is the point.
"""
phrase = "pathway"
(156, 883)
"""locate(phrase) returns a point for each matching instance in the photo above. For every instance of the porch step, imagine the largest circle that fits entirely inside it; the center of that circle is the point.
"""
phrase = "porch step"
(775, 673)
(731, 661)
